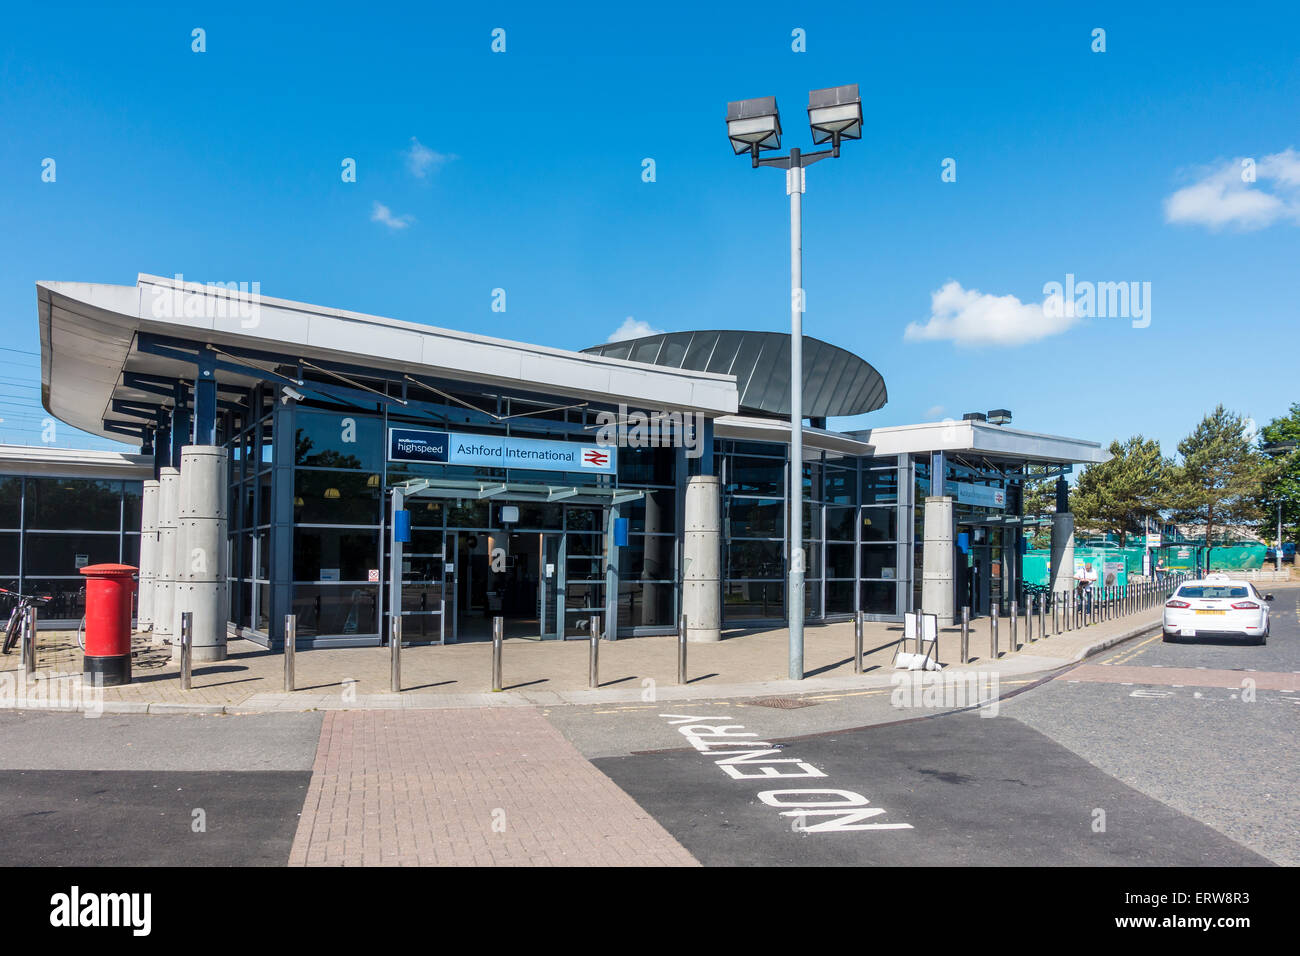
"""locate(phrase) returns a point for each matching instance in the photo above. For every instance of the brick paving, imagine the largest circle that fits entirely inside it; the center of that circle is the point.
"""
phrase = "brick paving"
(467, 787)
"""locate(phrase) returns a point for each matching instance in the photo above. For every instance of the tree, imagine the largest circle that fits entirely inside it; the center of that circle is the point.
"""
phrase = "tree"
(1222, 478)
(1120, 494)
(1285, 486)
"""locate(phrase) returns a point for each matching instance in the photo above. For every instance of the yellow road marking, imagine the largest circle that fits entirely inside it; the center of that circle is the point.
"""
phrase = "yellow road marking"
(1128, 655)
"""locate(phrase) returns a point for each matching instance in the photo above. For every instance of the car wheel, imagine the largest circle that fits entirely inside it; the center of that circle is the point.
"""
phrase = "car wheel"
(1263, 639)
(1169, 638)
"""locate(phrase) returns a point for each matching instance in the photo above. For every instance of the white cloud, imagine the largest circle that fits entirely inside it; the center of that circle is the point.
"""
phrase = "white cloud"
(1225, 195)
(421, 160)
(971, 317)
(934, 411)
(632, 329)
(381, 213)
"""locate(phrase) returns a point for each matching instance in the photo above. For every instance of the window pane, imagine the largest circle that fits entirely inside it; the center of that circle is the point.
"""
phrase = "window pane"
(879, 524)
(880, 487)
(878, 561)
(335, 497)
(646, 605)
(839, 597)
(839, 561)
(83, 504)
(350, 554)
(646, 466)
(755, 518)
(132, 491)
(839, 524)
(59, 553)
(756, 476)
(656, 512)
(9, 554)
(339, 440)
(326, 609)
(650, 558)
(755, 559)
(878, 597)
(11, 496)
(744, 600)
(69, 598)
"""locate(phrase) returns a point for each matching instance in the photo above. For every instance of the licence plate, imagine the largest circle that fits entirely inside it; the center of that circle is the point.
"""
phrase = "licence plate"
(1204, 611)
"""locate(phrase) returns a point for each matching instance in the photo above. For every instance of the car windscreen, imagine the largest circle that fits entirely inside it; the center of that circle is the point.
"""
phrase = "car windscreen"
(1211, 591)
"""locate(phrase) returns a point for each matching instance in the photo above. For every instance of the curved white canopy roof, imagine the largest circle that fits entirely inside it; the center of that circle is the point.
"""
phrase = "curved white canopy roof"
(89, 332)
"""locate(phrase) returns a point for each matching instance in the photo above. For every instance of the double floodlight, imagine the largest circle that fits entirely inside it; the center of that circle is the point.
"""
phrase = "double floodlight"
(834, 114)
(996, 416)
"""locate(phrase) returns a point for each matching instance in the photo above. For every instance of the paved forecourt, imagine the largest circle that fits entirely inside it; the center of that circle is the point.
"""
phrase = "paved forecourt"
(549, 673)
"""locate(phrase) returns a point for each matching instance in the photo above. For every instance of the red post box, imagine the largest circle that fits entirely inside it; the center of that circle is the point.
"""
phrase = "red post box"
(109, 588)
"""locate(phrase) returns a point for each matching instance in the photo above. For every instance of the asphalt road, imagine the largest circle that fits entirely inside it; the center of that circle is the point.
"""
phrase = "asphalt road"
(1177, 775)
(139, 790)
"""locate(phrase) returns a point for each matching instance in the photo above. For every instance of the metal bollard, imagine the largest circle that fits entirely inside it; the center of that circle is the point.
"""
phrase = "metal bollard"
(290, 649)
(395, 653)
(498, 626)
(965, 635)
(857, 643)
(994, 613)
(681, 649)
(187, 647)
(593, 664)
(29, 641)
(1042, 616)
(1011, 619)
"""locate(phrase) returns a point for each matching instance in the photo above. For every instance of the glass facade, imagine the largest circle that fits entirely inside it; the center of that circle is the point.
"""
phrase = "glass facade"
(862, 528)
(52, 526)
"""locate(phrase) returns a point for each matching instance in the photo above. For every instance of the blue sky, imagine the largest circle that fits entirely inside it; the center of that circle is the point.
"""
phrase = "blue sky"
(522, 170)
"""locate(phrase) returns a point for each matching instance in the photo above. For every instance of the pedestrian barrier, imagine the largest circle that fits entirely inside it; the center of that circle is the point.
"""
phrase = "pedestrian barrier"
(290, 650)
(395, 652)
(187, 647)
(965, 636)
(498, 628)
(28, 625)
(681, 649)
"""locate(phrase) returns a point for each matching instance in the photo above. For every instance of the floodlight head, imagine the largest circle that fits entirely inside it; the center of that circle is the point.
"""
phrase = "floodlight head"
(835, 114)
(999, 416)
(754, 124)
(974, 417)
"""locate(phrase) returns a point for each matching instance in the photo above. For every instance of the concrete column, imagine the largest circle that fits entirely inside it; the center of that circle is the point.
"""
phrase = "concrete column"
(164, 595)
(937, 594)
(701, 554)
(201, 550)
(1061, 572)
(148, 554)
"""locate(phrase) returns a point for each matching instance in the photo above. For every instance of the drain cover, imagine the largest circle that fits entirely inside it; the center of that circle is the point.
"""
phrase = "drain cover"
(782, 703)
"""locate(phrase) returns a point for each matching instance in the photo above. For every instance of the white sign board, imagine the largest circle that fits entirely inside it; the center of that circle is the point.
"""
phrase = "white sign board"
(981, 496)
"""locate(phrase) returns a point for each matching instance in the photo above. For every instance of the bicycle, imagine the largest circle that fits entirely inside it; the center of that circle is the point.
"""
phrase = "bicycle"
(15, 626)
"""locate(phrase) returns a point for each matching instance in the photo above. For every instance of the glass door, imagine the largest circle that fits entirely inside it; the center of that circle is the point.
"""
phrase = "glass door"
(548, 587)
(424, 573)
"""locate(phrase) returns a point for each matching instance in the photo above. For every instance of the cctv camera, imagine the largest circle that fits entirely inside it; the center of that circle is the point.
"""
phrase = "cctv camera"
(289, 393)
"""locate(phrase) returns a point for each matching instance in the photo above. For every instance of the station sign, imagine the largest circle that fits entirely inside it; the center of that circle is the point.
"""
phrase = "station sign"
(499, 451)
(982, 496)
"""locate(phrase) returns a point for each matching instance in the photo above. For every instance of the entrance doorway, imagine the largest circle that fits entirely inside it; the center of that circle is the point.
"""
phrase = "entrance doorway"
(513, 574)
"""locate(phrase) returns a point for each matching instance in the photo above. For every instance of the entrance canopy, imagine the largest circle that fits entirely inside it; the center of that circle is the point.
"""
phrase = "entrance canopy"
(517, 491)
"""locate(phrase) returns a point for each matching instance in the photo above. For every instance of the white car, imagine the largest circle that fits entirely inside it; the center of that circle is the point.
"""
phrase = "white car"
(1217, 604)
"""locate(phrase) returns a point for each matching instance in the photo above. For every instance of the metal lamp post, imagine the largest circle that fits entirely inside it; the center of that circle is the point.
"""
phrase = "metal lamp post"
(1277, 449)
(753, 126)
